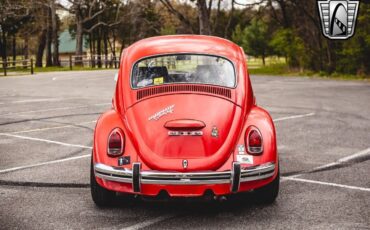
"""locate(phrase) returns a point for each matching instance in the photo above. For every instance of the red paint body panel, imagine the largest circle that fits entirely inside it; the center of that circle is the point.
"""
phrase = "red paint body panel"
(161, 152)
(148, 142)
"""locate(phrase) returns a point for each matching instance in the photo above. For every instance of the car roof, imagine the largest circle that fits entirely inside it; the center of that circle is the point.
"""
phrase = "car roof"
(197, 44)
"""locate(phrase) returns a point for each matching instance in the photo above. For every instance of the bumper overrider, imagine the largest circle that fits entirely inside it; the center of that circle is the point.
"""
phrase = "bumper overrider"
(137, 177)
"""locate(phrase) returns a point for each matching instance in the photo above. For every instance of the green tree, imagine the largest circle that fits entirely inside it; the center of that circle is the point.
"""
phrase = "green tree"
(254, 39)
(354, 55)
(238, 35)
(13, 16)
(289, 45)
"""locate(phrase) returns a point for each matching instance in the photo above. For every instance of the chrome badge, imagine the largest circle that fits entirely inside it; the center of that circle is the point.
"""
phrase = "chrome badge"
(338, 18)
(185, 133)
(161, 113)
(184, 164)
(214, 132)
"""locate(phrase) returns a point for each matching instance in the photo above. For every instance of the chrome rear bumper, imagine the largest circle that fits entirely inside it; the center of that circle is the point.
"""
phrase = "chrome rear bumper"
(137, 177)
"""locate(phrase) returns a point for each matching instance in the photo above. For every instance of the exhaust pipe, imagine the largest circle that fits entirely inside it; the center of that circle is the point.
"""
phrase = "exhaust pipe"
(220, 198)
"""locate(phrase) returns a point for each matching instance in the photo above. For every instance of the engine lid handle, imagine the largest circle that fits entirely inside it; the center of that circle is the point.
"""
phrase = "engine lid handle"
(184, 124)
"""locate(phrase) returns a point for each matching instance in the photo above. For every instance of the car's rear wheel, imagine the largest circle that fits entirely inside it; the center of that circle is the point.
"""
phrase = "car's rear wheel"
(101, 196)
(268, 193)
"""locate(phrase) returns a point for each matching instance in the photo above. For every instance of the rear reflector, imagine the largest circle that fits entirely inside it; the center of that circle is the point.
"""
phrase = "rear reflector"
(116, 142)
(254, 141)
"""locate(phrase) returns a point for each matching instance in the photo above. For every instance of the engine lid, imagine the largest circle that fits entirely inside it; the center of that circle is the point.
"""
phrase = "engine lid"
(171, 129)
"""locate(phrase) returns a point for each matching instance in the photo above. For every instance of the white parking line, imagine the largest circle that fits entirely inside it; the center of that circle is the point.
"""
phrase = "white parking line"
(360, 154)
(87, 76)
(45, 140)
(326, 183)
(79, 77)
(38, 100)
(43, 163)
(148, 222)
(56, 109)
(293, 117)
(55, 127)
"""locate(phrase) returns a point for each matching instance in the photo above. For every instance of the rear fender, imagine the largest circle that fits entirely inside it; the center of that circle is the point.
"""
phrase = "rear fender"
(105, 124)
(261, 119)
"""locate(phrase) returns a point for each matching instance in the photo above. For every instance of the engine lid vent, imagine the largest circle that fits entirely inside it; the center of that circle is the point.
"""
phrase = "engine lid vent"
(183, 88)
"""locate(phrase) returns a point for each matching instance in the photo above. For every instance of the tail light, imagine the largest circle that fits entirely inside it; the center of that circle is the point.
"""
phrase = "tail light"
(253, 140)
(116, 142)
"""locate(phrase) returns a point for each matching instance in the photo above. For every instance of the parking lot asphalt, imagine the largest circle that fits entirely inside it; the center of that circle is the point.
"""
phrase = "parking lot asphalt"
(46, 128)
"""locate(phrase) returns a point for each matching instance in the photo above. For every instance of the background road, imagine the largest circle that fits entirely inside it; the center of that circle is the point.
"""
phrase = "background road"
(46, 129)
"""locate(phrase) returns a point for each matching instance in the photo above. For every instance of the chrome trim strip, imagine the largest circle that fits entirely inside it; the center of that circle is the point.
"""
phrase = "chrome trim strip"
(253, 178)
(258, 173)
(102, 168)
(184, 175)
(113, 178)
(258, 169)
(175, 178)
(186, 182)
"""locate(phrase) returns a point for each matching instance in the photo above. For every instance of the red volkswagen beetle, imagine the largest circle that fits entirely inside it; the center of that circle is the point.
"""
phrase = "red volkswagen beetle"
(184, 121)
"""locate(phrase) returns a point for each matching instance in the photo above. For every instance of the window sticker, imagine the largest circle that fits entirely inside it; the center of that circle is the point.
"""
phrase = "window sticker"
(158, 81)
(244, 159)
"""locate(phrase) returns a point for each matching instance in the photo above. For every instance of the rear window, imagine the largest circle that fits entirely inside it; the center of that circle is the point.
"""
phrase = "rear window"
(183, 68)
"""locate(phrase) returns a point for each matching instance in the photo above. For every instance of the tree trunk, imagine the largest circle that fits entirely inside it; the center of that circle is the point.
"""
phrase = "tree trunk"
(286, 18)
(113, 55)
(332, 58)
(105, 40)
(98, 48)
(26, 50)
(112, 46)
(4, 54)
(54, 34)
(120, 52)
(216, 18)
(79, 43)
(41, 48)
(114, 51)
(26, 47)
(93, 37)
(14, 49)
(227, 28)
(93, 53)
(1, 46)
(49, 60)
(91, 48)
(79, 38)
(203, 14)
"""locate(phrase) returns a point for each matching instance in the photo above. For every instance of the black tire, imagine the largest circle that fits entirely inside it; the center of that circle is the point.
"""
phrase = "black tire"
(102, 197)
(268, 193)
